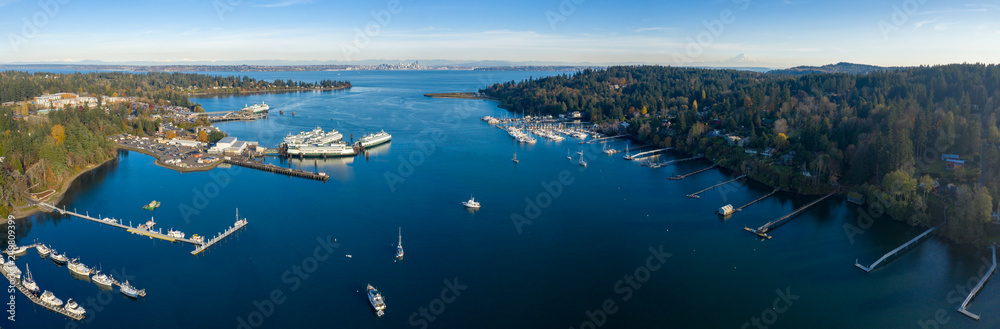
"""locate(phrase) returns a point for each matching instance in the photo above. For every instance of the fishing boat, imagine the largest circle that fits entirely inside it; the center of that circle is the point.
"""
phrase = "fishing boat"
(399, 247)
(73, 308)
(102, 279)
(471, 203)
(175, 234)
(128, 290)
(197, 238)
(58, 258)
(78, 268)
(29, 281)
(42, 250)
(375, 297)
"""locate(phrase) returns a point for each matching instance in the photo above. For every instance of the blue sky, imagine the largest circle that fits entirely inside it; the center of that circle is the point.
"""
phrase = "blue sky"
(777, 33)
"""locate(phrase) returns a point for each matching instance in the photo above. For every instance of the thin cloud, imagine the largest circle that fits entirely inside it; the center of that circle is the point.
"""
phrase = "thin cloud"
(647, 29)
(923, 22)
(952, 10)
(286, 3)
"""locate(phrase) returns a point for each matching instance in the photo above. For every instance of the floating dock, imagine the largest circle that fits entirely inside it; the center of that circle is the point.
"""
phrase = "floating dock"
(679, 177)
(755, 201)
(763, 229)
(278, 170)
(695, 194)
(236, 227)
(962, 309)
(893, 252)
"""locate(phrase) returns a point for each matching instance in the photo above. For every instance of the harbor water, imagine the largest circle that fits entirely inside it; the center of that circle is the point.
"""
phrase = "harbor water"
(555, 244)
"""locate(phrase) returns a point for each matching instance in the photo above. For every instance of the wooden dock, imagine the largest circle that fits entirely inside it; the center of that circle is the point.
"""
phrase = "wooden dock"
(894, 251)
(278, 170)
(236, 227)
(763, 229)
(962, 309)
(695, 194)
(679, 177)
(648, 153)
(142, 230)
(37, 300)
(755, 201)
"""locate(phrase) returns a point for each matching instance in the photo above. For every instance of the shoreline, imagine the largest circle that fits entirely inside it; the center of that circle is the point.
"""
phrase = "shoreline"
(458, 95)
(275, 91)
(160, 163)
(56, 197)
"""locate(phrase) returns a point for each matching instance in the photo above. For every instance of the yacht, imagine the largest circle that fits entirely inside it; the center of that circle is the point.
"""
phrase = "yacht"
(175, 234)
(78, 268)
(471, 203)
(42, 250)
(102, 279)
(11, 269)
(399, 248)
(375, 298)
(58, 258)
(73, 308)
(50, 299)
(128, 290)
(29, 281)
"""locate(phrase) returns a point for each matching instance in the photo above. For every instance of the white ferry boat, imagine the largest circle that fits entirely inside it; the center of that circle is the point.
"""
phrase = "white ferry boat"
(332, 150)
(256, 108)
(370, 140)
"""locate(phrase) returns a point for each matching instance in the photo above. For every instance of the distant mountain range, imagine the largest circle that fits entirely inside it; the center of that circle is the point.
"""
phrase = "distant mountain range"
(842, 67)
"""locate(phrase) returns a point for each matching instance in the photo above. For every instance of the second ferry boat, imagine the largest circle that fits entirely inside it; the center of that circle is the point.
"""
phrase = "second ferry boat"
(378, 138)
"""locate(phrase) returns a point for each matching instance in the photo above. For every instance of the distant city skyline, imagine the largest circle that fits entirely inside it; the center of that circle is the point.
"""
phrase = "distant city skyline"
(781, 33)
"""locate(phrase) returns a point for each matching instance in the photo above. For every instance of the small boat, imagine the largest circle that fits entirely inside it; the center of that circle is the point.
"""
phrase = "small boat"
(399, 247)
(11, 269)
(568, 157)
(197, 238)
(58, 258)
(50, 299)
(348, 256)
(582, 163)
(42, 250)
(175, 234)
(73, 308)
(78, 268)
(515, 157)
(471, 203)
(375, 297)
(102, 279)
(29, 281)
(152, 205)
(128, 290)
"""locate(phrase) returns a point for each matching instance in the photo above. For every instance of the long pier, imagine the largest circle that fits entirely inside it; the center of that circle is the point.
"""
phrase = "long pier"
(755, 201)
(962, 309)
(894, 251)
(116, 223)
(695, 194)
(676, 161)
(648, 153)
(239, 224)
(278, 170)
(142, 230)
(37, 300)
(603, 139)
(763, 229)
(679, 177)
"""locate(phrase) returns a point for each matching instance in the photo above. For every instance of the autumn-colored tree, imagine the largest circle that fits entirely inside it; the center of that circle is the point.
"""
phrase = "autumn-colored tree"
(203, 136)
(59, 133)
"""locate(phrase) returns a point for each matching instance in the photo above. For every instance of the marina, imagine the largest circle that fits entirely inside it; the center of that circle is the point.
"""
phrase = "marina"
(763, 229)
(695, 194)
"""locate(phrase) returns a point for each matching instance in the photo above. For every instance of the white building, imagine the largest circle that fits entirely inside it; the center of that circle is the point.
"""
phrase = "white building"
(186, 143)
(222, 145)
